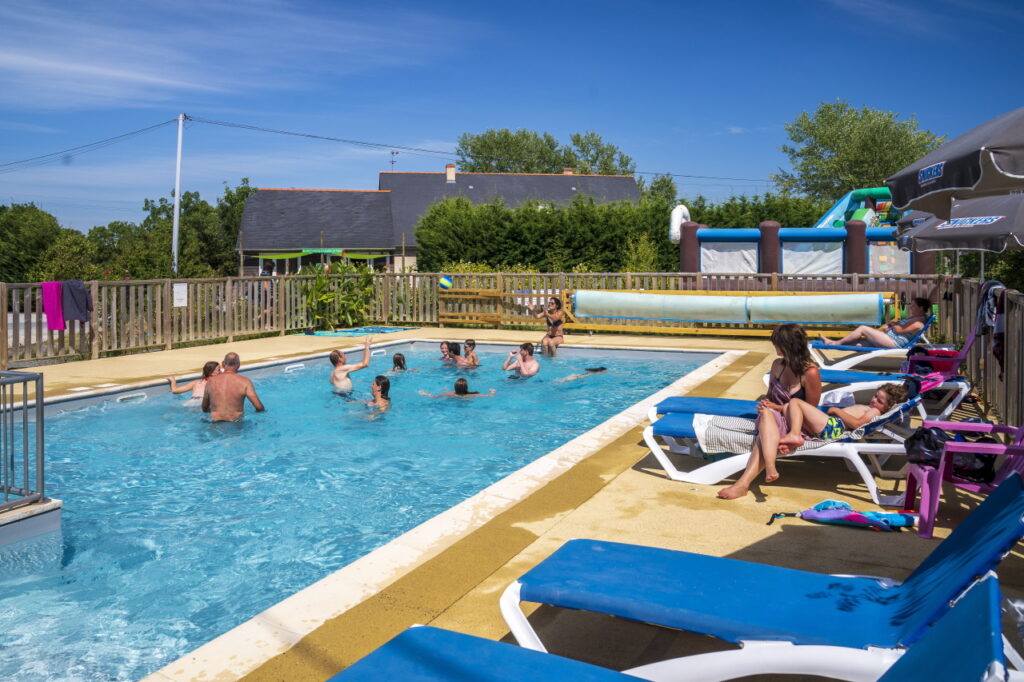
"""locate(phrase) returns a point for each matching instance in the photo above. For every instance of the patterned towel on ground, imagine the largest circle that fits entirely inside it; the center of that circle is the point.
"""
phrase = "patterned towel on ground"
(717, 435)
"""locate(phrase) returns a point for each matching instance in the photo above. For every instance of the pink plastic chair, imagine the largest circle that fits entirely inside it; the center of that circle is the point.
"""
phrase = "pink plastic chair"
(929, 479)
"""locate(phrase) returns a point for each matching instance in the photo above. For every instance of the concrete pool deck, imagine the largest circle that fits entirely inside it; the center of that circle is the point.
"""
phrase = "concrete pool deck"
(615, 494)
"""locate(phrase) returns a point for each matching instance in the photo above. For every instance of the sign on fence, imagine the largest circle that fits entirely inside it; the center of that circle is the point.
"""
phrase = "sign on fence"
(180, 295)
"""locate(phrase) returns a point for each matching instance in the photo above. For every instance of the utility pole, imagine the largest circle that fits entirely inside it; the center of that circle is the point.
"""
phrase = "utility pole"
(177, 198)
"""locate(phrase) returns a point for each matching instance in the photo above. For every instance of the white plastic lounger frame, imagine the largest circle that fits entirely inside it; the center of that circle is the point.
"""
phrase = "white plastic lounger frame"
(755, 657)
(857, 357)
(719, 469)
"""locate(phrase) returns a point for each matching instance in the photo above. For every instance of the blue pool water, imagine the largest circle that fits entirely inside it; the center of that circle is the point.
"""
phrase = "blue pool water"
(175, 530)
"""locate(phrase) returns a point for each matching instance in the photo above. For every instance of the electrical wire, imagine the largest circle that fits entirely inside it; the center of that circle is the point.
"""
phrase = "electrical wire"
(67, 154)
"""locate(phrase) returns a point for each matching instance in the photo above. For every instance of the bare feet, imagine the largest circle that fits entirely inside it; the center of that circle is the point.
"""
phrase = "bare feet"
(771, 475)
(791, 440)
(732, 492)
(825, 339)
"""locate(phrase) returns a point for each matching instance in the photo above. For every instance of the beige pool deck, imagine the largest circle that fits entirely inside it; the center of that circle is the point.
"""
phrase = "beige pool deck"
(450, 573)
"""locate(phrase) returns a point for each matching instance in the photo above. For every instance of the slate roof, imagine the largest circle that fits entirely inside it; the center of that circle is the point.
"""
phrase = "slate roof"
(413, 193)
(287, 219)
(276, 219)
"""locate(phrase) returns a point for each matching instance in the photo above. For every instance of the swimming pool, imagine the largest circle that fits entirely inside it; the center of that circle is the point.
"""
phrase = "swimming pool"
(176, 529)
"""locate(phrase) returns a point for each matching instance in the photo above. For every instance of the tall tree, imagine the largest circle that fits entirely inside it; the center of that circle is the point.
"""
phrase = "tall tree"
(71, 256)
(839, 148)
(662, 188)
(591, 155)
(526, 151)
(26, 231)
(504, 151)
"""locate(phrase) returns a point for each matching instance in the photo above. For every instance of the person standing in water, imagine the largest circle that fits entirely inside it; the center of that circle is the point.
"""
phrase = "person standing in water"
(469, 360)
(226, 392)
(522, 361)
(339, 375)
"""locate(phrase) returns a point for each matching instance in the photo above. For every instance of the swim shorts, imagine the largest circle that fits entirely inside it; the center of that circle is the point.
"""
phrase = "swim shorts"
(834, 429)
(900, 340)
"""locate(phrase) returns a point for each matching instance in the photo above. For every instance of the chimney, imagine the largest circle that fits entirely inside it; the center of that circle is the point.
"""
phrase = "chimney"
(449, 173)
(567, 171)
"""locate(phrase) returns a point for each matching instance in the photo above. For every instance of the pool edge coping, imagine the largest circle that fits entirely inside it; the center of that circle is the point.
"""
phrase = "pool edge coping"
(277, 629)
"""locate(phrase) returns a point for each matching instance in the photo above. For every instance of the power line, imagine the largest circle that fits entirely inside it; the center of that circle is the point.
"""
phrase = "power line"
(419, 151)
(65, 154)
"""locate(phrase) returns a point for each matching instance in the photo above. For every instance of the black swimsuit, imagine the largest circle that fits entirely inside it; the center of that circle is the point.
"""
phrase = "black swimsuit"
(553, 326)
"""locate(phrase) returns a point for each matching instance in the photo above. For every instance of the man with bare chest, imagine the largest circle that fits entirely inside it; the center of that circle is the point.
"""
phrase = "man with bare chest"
(226, 393)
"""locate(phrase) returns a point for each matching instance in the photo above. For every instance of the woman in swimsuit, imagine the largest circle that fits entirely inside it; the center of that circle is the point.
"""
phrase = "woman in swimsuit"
(554, 316)
(792, 375)
(892, 334)
(197, 386)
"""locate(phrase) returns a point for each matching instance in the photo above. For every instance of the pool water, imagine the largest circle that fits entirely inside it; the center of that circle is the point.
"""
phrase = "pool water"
(176, 529)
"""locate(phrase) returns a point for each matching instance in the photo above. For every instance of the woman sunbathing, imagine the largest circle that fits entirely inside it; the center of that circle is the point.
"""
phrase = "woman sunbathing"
(891, 335)
(802, 417)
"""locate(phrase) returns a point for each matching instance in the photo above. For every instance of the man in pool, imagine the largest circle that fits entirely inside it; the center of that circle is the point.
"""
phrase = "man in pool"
(226, 392)
(339, 375)
(522, 361)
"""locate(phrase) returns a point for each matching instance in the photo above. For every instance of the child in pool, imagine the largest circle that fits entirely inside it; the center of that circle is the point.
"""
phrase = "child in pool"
(197, 386)
(461, 391)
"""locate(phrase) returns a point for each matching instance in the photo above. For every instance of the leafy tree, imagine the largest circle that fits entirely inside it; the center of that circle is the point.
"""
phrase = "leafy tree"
(229, 211)
(641, 254)
(504, 151)
(526, 151)
(71, 256)
(26, 232)
(839, 148)
(593, 156)
(662, 188)
(751, 211)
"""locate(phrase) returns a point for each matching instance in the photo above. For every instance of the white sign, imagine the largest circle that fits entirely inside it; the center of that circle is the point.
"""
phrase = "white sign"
(180, 295)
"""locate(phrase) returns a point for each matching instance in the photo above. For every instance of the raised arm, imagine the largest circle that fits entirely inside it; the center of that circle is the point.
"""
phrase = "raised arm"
(511, 361)
(366, 355)
(175, 388)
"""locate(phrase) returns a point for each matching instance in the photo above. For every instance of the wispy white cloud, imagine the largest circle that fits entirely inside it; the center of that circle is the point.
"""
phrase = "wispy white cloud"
(921, 19)
(737, 130)
(23, 127)
(99, 55)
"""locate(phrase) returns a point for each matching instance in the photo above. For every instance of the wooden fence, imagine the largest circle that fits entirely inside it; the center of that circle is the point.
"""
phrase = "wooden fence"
(134, 316)
(999, 386)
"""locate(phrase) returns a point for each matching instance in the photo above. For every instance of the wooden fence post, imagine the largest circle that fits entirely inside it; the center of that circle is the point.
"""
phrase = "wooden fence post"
(229, 306)
(94, 321)
(168, 303)
(282, 296)
(499, 285)
(387, 297)
(4, 307)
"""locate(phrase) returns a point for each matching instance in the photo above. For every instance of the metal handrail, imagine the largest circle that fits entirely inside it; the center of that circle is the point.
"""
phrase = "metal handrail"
(16, 480)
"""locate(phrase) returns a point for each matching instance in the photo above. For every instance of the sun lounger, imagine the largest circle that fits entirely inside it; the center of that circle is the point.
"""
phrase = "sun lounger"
(862, 354)
(966, 642)
(744, 602)
(679, 431)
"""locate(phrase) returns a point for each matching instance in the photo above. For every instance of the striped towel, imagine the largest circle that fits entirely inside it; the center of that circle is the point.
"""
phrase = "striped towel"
(717, 435)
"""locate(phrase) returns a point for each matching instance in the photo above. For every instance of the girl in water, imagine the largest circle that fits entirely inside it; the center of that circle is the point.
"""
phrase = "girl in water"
(461, 391)
(397, 362)
(197, 386)
(380, 387)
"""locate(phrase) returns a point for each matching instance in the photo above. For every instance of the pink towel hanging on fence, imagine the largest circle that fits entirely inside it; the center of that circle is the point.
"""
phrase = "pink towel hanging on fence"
(52, 306)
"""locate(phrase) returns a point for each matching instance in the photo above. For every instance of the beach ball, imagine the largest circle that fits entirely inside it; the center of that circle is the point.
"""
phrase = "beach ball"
(445, 283)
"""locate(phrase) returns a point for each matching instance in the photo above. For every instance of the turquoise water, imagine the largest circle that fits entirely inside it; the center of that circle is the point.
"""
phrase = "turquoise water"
(175, 529)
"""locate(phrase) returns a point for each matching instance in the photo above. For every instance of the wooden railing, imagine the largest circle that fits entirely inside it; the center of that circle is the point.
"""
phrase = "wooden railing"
(958, 314)
(133, 316)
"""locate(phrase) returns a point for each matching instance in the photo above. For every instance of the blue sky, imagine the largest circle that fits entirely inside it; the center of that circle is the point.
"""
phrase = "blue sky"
(683, 87)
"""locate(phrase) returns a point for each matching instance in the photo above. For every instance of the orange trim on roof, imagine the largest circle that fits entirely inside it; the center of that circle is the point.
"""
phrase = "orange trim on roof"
(294, 189)
(552, 175)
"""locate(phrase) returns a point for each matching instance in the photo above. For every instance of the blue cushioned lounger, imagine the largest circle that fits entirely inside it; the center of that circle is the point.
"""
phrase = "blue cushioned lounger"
(740, 601)
(966, 642)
